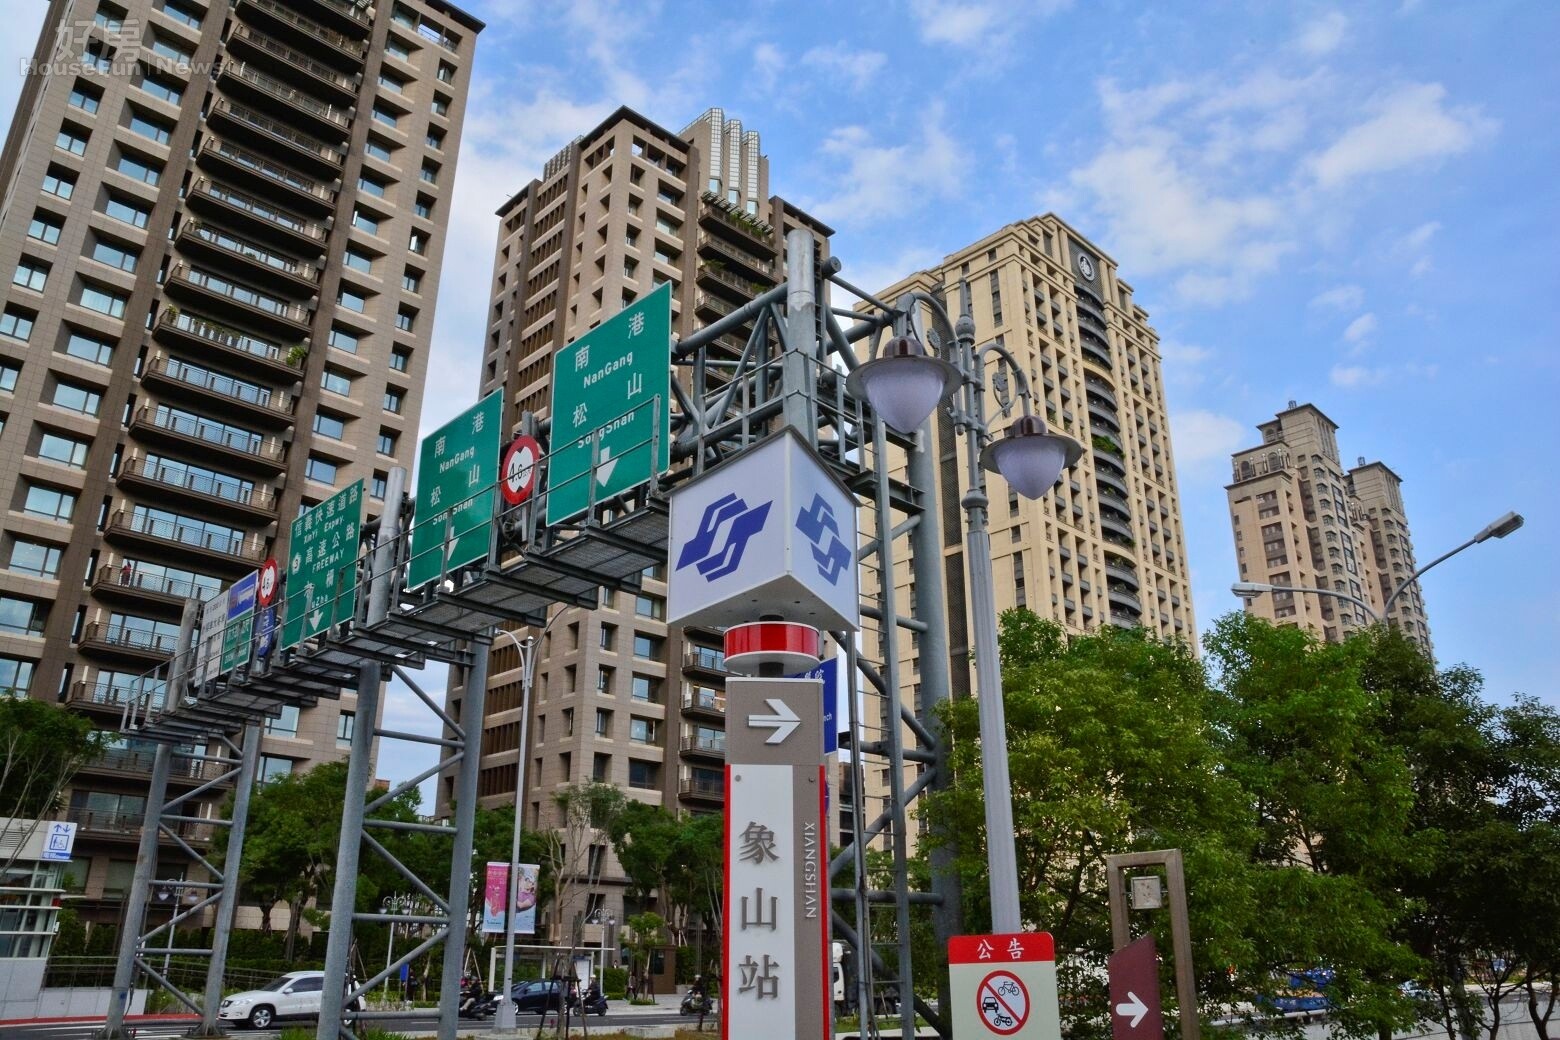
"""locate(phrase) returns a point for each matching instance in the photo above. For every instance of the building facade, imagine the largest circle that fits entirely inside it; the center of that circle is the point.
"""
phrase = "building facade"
(620, 696)
(1301, 519)
(225, 220)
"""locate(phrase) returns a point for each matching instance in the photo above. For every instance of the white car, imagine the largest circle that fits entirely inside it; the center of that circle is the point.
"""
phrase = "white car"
(294, 995)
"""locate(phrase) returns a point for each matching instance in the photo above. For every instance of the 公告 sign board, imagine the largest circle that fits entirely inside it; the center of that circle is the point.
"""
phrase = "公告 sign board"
(775, 970)
(611, 399)
(1004, 986)
(771, 531)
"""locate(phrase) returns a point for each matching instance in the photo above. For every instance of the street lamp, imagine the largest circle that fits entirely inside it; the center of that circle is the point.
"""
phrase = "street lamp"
(1499, 528)
(505, 1019)
(904, 386)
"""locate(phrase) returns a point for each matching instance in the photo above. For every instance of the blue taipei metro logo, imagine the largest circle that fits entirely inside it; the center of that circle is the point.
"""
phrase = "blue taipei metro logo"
(823, 531)
(740, 523)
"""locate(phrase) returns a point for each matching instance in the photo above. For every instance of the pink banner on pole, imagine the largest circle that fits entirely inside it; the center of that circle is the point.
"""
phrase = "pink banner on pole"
(495, 897)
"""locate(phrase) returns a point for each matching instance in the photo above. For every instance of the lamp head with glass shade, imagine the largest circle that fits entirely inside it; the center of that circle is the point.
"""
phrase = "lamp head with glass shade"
(1500, 528)
(904, 383)
(1249, 589)
(1029, 458)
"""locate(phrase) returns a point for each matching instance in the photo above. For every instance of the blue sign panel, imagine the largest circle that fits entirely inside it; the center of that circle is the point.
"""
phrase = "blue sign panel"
(829, 672)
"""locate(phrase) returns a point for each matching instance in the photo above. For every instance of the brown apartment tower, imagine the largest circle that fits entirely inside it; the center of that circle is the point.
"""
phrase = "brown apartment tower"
(1302, 519)
(224, 221)
(620, 696)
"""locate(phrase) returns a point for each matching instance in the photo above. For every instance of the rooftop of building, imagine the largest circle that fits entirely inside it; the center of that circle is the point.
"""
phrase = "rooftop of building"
(465, 18)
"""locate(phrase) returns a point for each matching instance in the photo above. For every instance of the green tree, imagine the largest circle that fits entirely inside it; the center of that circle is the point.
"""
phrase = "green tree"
(42, 746)
(646, 932)
(588, 811)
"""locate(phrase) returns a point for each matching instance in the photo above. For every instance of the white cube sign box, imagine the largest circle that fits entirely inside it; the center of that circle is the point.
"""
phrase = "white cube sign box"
(772, 532)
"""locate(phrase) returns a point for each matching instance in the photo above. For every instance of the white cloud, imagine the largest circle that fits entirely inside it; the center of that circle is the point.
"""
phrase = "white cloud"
(1174, 352)
(1352, 377)
(1360, 329)
(858, 68)
(973, 23)
(767, 63)
(1341, 298)
(1323, 35)
(1421, 235)
(1409, 126)
(874, 276)
(880, 180)
(1202, 437)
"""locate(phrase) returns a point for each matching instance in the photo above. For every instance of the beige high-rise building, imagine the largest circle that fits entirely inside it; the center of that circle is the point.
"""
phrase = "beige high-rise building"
(1301, 519)
(621, 696)
(1106, 546)
(224, 221)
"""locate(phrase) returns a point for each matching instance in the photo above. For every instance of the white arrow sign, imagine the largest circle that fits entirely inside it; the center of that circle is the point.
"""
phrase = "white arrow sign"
(314, 618)
(606, 466)
(1134, 1008)
(784, 721)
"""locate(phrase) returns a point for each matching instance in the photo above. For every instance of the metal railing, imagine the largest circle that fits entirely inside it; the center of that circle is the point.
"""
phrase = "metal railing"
(215, 332)
(711, 660)
(229, 489)
(736, 253)
(157, 584)
(307, 25)
(280, 174)
(188, 535)
(701, 789)
(220, 385)
(213, 432)
(317, 69)
(238, 247)
(267, 125)
(708, 700)
(240, 293)
(110, 694)
(286, 92)
(358, 12)
(129, 638)
(250, 204)
(709, 745)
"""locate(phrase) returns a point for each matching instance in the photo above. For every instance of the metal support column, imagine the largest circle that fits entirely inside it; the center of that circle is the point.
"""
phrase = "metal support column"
(338, 948)
(227, 904)
(463, 816)
(801, 334)
(135, 898)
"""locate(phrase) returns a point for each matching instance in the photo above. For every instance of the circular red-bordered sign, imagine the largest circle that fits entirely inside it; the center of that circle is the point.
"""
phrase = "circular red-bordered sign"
(1004, 1002)
(270, 578)
(520, 464)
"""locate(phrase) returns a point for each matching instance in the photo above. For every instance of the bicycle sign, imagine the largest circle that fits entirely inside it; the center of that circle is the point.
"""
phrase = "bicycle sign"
(1004, 985)
(1004, 1003)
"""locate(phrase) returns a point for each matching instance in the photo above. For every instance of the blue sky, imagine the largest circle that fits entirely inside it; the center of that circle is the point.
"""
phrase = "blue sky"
(1352, 205)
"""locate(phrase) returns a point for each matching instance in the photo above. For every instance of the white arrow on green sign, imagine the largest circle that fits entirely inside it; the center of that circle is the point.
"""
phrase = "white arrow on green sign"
(610, 393)
(321, 556)
(457, 479)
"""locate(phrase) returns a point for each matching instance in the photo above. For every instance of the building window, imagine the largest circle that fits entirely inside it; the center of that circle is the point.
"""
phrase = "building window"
(85, 348)
(398, 49)
(643, 775)
(22, 617)
(650, 607)
(404, 320)
(284, 725)
(103, 301)
(321, 470)
(344, 726)
(641, 731)
(423, 207)
(59, 183)
(272, 768)
(114, 255)
(386, 117)
(377, 486)
(162, 89)
(358, 262)
(400, 360)
(411, 280)
(35, 558)
(603, 723)
(372, 185)
(81, 399)
(646, 646)
(330, 426)
(352, 301)
(45, 227)
(30, 275)
(15, 324)
(145, 171)
(386, 445)
(85, 98)
(390, 81)
(49, 503)
(71, 140)
(343, 340)
(128, 212)
(377, 150)
(147, 127)
(646, 689)
(395, 400)
(435, 140)
(64, 450)
(336, 381)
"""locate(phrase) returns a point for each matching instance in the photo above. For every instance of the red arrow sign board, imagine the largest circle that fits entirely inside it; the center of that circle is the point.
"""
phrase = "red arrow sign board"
(1134, 992)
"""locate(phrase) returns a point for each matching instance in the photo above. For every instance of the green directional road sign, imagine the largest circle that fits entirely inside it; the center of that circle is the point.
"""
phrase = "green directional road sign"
(457, 477)
(239, 630)
(610, 393)
(321, 555)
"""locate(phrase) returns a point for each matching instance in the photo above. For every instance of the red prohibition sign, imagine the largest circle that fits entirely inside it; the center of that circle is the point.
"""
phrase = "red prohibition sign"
(266, 593)
(1003, 1000)
(519, 472)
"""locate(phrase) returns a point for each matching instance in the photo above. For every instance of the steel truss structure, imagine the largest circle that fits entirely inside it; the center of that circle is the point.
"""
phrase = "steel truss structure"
(791, 372)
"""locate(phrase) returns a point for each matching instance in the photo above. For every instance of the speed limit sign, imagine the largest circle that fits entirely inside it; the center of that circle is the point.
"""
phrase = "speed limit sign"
(269, 578)
(519, 474)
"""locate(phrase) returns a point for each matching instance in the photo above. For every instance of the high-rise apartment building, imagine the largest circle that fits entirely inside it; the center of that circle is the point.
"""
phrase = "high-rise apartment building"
(224, 221)
(1301, 519)
(621, 696)
(1106, 546)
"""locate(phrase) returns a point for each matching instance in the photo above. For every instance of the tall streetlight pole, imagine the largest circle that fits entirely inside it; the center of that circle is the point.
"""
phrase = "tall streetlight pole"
(505, 1019)
(904, 386)
(1499, 528)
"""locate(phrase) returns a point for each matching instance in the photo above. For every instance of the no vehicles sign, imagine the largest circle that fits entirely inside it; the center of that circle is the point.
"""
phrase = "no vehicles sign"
(1004, 985)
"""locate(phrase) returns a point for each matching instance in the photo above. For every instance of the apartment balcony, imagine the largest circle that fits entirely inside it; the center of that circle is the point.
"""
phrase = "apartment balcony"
(702, 791)
(712, 308)
(698, 703)
(1125, 575)
(704, 748)
(279, 187)
(214, 340)
(748, 232)
(1089, 310)
(735, 257)
(1124, 601)
(106, 697)
(1122, 619)
(121, 643)
(1095, 354)
(126, 827)
(182, 769)
(147, 592)
(177, 378)
(702, 659)
(231, 499)
(256, 216)
(282, 100)
(355, 17)
(716, 277)
(210, 440)
(274, 56)
(243, 303)
(1104, 477)
(1094, 386)
(1111, 500)
(1111, 458)
(1111, 526)
(306, 31)
(249, 260)
(233, 554)
(262, 131)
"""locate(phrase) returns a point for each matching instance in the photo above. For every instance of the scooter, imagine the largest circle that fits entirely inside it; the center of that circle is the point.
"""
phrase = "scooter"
(697, 1004)
(595, 1003)
(478, 1004)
